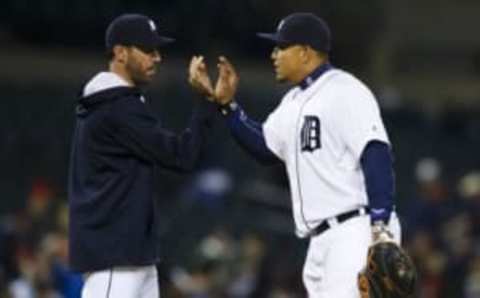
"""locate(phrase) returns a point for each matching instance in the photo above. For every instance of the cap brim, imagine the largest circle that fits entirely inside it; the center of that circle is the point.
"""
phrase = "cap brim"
(164, 40)
(273, 37)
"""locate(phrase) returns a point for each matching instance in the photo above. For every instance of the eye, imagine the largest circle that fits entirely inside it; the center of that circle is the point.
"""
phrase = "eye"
(147, 51)
(283, 46)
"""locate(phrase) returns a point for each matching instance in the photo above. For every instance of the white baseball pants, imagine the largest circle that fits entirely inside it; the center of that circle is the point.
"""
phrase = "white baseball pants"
(122, 282)
(336, 256)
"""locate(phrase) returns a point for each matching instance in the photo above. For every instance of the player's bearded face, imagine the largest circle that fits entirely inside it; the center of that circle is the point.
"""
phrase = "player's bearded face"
(286, 62)
(141, 65)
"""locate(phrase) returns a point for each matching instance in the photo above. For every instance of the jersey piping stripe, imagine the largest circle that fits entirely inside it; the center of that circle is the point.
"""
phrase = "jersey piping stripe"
(109, 287)
(298, 152)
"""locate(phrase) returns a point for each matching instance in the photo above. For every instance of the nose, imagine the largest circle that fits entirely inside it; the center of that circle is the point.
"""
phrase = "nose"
(274, 54)
(157, 58)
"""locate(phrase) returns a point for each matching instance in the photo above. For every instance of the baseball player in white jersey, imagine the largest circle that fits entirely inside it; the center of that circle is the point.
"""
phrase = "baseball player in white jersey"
(329, 133)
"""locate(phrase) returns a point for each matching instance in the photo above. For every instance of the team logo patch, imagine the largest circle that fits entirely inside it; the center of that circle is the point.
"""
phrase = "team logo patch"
(152, 25)
(310, 134)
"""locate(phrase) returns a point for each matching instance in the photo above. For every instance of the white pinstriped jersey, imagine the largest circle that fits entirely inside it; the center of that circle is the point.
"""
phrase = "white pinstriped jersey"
(320, 133)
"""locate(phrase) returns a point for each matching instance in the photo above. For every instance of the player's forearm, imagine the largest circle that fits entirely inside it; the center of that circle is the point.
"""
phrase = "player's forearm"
(249, 135)
(377, 166)
(136, 128)
(192, 141)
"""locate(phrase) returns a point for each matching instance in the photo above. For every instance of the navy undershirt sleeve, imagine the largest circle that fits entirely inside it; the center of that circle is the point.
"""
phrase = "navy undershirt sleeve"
(377, 166)
(249, 135)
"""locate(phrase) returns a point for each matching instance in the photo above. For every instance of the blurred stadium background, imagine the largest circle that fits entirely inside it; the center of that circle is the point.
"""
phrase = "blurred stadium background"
(227, 229)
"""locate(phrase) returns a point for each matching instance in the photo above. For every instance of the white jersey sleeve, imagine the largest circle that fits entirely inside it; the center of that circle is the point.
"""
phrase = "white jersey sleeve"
(272, 138)
(276, 126)
(357, 117)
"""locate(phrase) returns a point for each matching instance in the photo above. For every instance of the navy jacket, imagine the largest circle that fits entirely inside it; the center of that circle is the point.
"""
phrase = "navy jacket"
(116, 146)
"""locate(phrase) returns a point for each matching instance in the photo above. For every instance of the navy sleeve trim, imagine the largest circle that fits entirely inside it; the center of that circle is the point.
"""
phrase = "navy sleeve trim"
(377, 166)
(249, 135)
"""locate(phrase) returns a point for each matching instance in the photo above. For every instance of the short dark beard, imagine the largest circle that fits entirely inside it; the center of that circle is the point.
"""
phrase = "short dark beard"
(136, 75)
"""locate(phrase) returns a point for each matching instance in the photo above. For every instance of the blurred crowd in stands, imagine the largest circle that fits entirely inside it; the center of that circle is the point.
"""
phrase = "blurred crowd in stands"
(441, 231)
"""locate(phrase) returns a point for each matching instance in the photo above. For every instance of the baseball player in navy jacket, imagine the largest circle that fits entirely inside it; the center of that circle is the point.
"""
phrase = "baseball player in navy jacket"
(117, 144)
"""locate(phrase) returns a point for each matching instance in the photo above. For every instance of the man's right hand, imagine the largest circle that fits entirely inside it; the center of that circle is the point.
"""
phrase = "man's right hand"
(198, 77)
(227, 82)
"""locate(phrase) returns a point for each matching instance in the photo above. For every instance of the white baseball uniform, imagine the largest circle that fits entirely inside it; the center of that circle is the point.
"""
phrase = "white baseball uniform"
(122, 282)
(320, 133)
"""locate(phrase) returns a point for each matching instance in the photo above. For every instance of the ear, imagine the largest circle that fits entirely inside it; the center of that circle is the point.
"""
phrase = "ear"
(120, 53)
(305, 54)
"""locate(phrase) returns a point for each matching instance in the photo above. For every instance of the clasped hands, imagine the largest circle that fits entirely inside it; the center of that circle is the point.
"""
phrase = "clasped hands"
(226, 84)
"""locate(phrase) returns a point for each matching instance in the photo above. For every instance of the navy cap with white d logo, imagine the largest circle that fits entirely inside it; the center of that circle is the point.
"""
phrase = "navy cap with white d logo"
(301, 28)
(134, 30)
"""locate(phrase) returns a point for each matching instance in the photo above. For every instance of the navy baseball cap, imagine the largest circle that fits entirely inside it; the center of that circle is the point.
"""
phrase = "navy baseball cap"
(135, 30)
(301, 28)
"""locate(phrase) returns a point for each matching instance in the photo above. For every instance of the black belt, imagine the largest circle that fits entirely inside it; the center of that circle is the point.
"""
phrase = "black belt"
(327, 224)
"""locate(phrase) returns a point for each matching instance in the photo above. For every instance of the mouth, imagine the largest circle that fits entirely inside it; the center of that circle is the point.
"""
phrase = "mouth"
(275, 65)
(151, 71)
(276, 68)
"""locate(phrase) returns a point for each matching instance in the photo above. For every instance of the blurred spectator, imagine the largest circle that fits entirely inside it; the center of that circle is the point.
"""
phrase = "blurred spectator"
(430, 264)
(472, 284)
(210, 188)
(247, 271)
(469, 190)
(33, 249)
(432, 204)
(458, 244)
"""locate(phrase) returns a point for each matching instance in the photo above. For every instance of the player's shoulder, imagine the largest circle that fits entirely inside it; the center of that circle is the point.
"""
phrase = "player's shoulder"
(346, 83)
(283, 110)
(290, 95)
(343, 78)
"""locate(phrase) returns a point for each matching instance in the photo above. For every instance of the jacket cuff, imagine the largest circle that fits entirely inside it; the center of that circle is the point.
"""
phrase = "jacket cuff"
(204, 111)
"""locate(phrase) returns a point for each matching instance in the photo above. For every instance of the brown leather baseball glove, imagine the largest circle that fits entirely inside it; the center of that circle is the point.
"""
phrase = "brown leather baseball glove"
(389, 273)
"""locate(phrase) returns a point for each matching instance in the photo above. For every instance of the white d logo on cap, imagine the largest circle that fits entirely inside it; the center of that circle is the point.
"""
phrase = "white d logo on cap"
(280, 25)
(152, 25)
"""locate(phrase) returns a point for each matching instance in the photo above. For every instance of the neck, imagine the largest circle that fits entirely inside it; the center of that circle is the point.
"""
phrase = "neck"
(310, 67)
(314, 75)
(121, 72)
